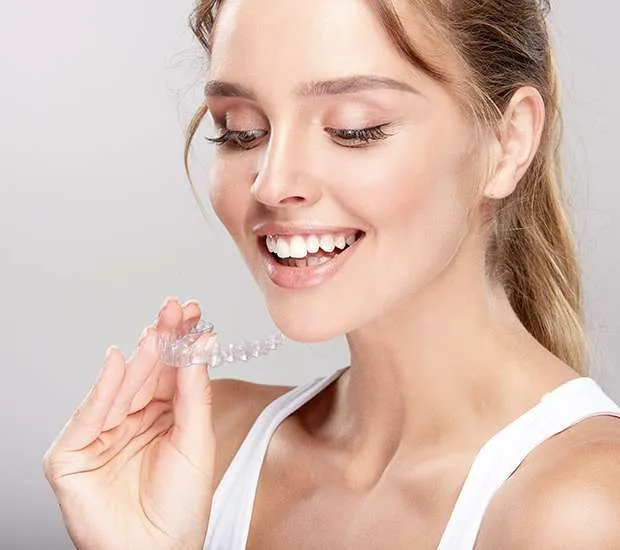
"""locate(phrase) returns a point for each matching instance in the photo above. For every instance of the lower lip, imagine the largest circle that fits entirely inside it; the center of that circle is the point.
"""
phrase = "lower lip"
(304, 277)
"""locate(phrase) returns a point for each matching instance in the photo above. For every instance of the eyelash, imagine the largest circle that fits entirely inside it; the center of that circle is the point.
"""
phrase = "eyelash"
(236, 139)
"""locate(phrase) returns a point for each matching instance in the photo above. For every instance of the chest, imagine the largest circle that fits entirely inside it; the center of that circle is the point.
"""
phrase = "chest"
(307, 507)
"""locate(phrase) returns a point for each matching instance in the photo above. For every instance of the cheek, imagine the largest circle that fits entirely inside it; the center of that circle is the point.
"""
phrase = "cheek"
(411, 190)
(412, 196)
(228, 193)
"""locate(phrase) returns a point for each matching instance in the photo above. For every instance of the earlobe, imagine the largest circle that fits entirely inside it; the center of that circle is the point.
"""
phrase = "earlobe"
(520, 137)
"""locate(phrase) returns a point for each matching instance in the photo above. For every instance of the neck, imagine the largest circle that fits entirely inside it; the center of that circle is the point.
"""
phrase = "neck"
(439, 373)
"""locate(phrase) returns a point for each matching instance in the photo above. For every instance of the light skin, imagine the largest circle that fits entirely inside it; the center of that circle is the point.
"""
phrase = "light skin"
(439, 360)
(420, 266)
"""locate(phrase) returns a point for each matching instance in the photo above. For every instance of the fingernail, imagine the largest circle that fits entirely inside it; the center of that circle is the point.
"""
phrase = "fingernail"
(108, 352)
(166, 302)
(190, 302)
(106, 361)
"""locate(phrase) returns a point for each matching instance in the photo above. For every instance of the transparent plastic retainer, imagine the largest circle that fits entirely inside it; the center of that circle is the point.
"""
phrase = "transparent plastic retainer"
(199, 347)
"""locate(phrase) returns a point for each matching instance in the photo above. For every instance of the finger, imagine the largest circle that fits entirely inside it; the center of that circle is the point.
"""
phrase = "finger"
(146, 393)
(170, 317)
(193, 432)
(138, 369)
(169, 320)
(165, 304)
(191, 315)
(161, 386)
(158, 418)
(110, 443)
(161, 383)
(86, 422)
(144, 334)
(176, 317)
(121, 443)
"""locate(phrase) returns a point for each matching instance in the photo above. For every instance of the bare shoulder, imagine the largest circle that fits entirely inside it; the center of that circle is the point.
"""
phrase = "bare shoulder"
(565, 495)
(236, 405)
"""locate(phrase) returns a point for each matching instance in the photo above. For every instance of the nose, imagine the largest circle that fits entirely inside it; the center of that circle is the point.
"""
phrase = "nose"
(283, 178)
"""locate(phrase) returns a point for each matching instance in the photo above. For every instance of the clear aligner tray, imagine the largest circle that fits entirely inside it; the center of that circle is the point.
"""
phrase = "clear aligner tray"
(198, 347)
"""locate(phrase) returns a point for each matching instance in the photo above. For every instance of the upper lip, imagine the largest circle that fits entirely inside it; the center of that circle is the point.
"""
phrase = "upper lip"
(274, 228)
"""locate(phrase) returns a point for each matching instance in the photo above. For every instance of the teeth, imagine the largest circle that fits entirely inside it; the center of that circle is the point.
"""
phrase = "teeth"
(303, 262)
(312, 244)
(315, 260)
(282, 248)
(327, 243)
(340, 242)
(298, 246)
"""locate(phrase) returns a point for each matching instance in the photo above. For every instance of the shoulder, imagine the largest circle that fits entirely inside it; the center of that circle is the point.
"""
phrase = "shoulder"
(567, 497)
(236, 404)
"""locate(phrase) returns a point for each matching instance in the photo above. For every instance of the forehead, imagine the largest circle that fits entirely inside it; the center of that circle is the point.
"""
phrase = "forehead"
(281, 42)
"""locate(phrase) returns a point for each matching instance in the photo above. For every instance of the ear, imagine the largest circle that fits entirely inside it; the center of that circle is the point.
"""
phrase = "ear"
(521, 129)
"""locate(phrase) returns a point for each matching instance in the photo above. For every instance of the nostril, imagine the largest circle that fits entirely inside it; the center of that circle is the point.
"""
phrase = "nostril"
(292, 200)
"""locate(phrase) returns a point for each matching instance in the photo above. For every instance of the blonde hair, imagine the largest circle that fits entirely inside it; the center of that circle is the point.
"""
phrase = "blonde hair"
(501, 47)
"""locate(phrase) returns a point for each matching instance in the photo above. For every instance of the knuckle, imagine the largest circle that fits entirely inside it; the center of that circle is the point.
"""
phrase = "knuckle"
(45, 463)
(50, 466)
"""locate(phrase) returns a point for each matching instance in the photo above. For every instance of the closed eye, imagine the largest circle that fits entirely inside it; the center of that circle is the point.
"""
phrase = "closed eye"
(245, 139)
(364, 135)
(238, 139)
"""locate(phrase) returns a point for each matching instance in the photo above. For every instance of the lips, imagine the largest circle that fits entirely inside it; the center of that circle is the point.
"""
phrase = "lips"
(305, 276)
(275, 228)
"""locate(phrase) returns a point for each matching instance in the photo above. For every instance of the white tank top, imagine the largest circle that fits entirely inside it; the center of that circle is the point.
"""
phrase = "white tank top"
(497, 459)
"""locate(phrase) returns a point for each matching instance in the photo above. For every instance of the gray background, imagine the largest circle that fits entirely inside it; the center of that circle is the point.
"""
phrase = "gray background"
(98, 224)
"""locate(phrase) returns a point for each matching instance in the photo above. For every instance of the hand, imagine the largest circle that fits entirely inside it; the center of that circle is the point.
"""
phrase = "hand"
(133, 467)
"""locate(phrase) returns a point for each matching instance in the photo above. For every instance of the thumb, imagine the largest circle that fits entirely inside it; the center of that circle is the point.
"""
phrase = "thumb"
(193, 422)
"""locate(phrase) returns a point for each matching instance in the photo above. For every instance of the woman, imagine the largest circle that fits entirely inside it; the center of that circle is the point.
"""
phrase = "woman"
(422, 137)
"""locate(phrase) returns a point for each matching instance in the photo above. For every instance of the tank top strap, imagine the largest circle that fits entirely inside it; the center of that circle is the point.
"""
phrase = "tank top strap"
(233, 499)
(501, 455)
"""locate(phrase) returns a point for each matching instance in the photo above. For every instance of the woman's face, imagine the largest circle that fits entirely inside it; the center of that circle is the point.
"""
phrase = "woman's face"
(409, 193)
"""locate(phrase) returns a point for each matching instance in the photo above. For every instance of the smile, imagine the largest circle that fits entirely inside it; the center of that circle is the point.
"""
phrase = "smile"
(300, 261)
(305, 250)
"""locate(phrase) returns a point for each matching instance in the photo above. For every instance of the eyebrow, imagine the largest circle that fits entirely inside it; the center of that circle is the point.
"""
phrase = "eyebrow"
(316, 88)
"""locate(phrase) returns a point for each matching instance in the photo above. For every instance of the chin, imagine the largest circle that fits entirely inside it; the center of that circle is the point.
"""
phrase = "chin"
(304, 328)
